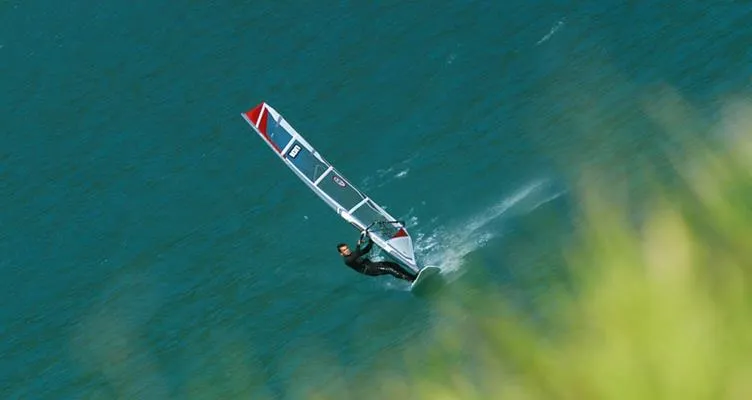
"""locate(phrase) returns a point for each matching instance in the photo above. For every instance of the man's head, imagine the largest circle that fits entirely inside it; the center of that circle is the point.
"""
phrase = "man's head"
(343, 249)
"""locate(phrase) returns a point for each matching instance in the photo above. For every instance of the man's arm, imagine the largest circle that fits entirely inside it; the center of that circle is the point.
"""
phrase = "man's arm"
(359, 252)
(368, 246)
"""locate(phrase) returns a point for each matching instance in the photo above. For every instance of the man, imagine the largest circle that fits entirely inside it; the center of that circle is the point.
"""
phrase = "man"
(357, 261)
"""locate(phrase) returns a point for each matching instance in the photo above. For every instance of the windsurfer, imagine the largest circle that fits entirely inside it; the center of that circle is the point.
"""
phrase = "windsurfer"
(357, 261)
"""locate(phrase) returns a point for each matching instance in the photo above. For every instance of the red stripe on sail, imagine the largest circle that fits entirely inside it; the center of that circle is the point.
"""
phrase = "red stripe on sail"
(260, 123)
(253, 114)
(262, 128)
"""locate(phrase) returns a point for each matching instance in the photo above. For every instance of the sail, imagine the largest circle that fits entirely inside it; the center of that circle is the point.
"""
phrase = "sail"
(330, 185)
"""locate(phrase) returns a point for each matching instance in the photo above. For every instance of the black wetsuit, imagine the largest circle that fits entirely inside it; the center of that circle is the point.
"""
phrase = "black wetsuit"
(358, 262)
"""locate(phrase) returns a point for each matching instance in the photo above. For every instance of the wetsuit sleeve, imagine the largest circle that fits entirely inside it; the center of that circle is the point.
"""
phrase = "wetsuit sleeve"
(359, 252)
(368, 246)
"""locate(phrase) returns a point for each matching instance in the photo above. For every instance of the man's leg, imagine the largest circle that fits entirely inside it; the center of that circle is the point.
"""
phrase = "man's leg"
(395, 270)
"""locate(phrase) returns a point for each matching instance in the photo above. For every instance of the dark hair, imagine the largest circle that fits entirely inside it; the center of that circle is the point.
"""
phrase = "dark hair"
(341, 245)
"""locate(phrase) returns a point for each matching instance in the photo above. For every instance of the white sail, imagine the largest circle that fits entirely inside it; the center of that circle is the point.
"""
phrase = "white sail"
(331, 186)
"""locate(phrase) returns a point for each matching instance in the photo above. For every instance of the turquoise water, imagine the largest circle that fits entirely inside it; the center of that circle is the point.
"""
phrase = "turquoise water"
(153, 247)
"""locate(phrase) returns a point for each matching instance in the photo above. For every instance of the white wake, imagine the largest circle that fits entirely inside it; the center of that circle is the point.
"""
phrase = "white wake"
(446, 246)
(551, 32)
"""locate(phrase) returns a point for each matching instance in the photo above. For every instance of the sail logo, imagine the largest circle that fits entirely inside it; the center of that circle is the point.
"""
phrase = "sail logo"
(338, 180)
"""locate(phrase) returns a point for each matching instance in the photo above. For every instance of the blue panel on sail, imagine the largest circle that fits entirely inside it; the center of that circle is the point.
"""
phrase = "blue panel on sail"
(340, 191)
(278, 134)
(305, 162)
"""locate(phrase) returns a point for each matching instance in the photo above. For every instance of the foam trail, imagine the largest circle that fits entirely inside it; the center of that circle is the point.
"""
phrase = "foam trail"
(446, 248)
(553, 30)
(384, 176)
